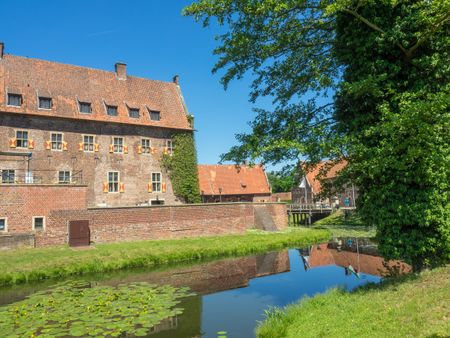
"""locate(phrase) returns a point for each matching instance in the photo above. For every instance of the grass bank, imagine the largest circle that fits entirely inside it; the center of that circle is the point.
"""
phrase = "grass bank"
(413, 306)
(26, 265)
(341, 225)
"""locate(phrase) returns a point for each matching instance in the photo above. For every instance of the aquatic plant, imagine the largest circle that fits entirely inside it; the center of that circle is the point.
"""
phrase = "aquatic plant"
(80, 309)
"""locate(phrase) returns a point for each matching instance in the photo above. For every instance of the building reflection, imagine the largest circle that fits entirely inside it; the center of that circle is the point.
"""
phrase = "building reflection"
(354, 255)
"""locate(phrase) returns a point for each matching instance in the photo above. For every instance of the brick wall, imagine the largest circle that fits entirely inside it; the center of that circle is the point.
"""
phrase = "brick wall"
(166, 222)
(19, 203)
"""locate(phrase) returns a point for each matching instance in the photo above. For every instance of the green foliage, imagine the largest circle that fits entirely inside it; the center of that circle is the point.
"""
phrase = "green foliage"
(411, 306)
(282, 181)
(182, 167)
(28, 265)
(388, 65)
(76, 309)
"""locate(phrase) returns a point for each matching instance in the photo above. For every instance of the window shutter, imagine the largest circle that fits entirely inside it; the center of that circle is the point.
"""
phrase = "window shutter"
(12, 143)
(121, 187)
(166, 151)
(111, 148)
(150, 187)
(64, 144)
(96, 147)
(154, 150)
(30, 144)
(80, 146)
(125, 149)
(163, 187)
(105, 186)
(48, 145)
(139, 149)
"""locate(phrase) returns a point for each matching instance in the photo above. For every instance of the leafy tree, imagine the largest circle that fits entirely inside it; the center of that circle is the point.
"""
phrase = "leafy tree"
(366, 81)
(283, 180)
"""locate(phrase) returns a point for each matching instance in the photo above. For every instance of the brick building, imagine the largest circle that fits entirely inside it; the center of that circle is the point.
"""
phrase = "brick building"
(64, 124)
(231, 183)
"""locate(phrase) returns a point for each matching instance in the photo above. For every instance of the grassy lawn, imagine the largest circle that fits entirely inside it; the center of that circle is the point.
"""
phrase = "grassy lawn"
(21, 266)
(341, 226)
(413, 306)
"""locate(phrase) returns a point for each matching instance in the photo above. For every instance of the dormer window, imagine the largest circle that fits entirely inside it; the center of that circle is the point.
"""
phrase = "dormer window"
(112, 111)
(85, 107)
(14, 100)
(133, 113)
(45, 103)
(155, 115)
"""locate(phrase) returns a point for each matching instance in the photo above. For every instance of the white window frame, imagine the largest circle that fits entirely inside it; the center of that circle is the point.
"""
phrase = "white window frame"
(169, 149)
(156, 182)
(149, 145)
(44, 97)
(122, 145)
(43, 223)
(84, 143)
(70, 177)
(28, 138)
(51, 140)
(118, 181)
(6, 224)
(10, 105)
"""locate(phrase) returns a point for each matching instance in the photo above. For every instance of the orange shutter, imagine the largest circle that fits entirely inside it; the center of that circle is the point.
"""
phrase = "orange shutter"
(125, 149)
(48, 145)
(139, 149)
(150, 187)
(154, 150)
(105, 187)
(96, 147)
(163, 187)
(121, 187)
(30, 144)
(64, 144)
(166, 151)
(111, 148)
(81, 146)
(12, 143)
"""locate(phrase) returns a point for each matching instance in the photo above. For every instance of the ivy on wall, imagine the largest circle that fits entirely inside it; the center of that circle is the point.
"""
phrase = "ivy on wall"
(182, 168)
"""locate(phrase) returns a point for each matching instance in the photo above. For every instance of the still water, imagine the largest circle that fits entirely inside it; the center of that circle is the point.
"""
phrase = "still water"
(232, 294)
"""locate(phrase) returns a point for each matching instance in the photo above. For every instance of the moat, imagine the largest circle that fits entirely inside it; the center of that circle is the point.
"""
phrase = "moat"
(231, 295)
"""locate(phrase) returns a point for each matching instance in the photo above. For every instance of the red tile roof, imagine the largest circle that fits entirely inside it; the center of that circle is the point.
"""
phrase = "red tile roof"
(233, 180)
(312, 175)
(67, 84)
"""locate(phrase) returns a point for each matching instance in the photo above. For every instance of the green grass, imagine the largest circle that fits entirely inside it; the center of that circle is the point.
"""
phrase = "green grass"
(341, 226)
(26, 265)
(412, 306)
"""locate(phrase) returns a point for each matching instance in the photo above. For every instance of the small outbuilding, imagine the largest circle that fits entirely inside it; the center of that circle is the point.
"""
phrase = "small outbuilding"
(233, 183)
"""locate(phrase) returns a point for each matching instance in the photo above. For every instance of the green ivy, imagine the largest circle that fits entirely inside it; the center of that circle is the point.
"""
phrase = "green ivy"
(182, 168)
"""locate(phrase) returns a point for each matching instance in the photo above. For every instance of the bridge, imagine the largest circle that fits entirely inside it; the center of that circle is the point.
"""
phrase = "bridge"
(306, 214)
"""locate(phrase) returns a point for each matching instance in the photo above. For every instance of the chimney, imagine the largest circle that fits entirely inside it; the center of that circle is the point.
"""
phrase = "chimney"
(121, 70)
(2, 49)
(176, 79)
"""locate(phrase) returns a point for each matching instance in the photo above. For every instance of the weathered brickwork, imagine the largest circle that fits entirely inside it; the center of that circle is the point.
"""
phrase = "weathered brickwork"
(135, 169)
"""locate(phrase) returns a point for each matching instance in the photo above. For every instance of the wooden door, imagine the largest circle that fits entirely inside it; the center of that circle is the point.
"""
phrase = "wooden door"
(79, 233)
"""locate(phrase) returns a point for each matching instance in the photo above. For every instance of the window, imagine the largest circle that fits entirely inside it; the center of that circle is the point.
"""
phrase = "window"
(14, 100)
(169, 146)
(156, 182)
(3, 225)
(113, 181)
(118, 144)
(63, 177)
(155, 115)
(146, 145)
(38, 222)
(156, 202)
(8, 176)
(85, 107)
(57, 141)
(88, 142)
(133, 112)
(45, 103)
(112, 110)
(21, 139)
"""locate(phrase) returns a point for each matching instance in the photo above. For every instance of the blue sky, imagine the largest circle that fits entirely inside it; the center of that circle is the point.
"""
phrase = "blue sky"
(155, 42)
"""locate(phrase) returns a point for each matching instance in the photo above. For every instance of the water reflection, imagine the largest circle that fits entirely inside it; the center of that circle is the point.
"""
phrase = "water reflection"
(232, 294)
